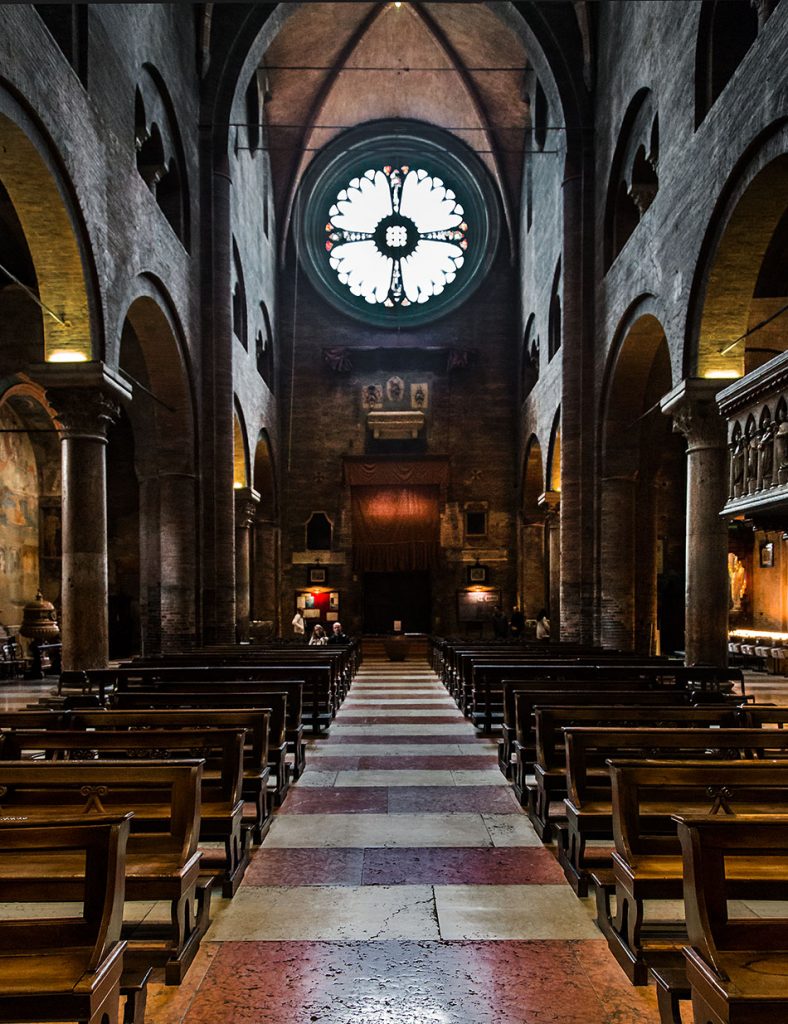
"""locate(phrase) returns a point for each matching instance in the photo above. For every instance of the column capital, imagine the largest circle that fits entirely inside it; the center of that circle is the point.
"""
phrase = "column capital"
(695, 414)
(246, 501)
(85, 397)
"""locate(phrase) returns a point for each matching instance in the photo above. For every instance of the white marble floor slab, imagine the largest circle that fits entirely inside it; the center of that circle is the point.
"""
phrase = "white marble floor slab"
(313, 778)
(304, 831)
(323, 913)
(511, 830)
(513, 912)
(417, 777)
(402, 729)
(349, 713)
(396, 701)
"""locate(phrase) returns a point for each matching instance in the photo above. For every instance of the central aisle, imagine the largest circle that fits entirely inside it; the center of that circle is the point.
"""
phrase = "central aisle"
(401, 883)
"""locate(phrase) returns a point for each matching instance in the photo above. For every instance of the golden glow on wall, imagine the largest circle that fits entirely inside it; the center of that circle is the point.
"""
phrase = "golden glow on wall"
(555, 463)
(756, 634)
(732, 278)
(722, 375)
(50, 237)
(240, 476)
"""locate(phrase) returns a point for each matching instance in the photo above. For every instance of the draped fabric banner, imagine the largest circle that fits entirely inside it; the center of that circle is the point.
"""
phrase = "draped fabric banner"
(382, 473)
(395, 529)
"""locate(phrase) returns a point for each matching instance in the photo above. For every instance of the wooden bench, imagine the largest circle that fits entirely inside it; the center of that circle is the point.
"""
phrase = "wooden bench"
(294, 711)
(318, 705)
(230, 699)
(254, 723)
(550, 785)
(589, 803)
(737, 968)
(528, 699)
(647, 861)
(162, 858)
(221, 801)
(54, 969)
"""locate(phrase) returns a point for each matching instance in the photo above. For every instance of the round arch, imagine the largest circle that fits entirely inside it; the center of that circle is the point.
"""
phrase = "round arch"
(641, 476)
(162, 442)
(240, 448)
(727, 299)
(43, 202)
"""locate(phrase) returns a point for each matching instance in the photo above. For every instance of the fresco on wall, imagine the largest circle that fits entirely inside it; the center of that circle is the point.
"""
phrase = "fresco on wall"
(18, 520)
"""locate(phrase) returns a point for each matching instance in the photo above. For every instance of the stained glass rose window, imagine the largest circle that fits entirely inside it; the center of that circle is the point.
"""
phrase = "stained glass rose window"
(397, 229)
(396, 235)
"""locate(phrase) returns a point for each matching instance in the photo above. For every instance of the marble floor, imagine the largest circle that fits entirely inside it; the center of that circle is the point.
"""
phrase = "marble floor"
(402, 884)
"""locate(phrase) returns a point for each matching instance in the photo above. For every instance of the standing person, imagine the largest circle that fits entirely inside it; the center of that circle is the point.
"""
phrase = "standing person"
(517, 622)
(299, 624)
(500, 624)
(542, 625)
(337, 636)
(318, 637)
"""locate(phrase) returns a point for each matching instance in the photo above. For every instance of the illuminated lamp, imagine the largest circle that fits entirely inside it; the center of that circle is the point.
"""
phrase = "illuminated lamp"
(65, 355)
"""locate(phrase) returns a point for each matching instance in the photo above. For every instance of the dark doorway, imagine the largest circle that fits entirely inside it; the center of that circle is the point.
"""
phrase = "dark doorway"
(390, 596)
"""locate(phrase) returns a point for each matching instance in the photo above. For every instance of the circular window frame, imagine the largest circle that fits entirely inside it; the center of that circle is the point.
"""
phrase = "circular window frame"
(396, 142)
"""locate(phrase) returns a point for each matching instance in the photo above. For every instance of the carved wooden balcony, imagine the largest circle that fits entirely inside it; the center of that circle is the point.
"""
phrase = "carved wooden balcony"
(756, 408)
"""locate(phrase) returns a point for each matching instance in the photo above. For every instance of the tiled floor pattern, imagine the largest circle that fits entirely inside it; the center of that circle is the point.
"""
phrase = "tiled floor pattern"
(401, 884)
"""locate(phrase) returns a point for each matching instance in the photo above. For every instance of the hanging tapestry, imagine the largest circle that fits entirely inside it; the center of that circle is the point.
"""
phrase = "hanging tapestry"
(395, 529)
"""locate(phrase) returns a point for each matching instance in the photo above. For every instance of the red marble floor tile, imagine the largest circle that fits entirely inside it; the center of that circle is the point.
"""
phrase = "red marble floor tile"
(391, 982)
(341, 800)
(450, 719)
(461, 866)
(447, 762)
(393, 741)
(305, 867)
(470, 799)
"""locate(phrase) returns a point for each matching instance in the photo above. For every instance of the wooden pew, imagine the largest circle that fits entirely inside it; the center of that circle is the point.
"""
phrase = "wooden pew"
(319, 706)
(231, 699)
(647, 862)
(294, 728)
(550, 784)
(162, 858)
(254, 723)
(531, 697)
(737, 968)
(54, 969)
(589, 803)
(221, 801)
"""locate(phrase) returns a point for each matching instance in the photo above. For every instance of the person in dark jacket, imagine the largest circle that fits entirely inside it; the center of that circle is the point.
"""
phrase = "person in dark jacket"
(337, 636)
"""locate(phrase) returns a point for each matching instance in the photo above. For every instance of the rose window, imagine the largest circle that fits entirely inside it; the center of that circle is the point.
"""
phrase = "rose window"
(396, 236)
(396, 227)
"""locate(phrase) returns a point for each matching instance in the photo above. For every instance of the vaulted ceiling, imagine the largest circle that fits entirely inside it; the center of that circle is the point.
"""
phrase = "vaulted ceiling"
(335, 65)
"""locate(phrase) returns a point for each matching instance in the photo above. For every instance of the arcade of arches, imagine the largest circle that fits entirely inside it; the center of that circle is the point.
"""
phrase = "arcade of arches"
(394, 312)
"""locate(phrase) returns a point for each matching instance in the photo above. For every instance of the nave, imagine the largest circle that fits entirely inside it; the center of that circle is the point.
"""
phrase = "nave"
(401, 882)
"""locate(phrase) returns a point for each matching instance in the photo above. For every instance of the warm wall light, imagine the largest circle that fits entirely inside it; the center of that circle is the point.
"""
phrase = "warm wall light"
(237, 486)
(64, 355)
(722, 375)
(755, 634)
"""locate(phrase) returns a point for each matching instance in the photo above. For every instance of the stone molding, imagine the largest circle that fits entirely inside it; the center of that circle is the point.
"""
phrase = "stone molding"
(85, 397)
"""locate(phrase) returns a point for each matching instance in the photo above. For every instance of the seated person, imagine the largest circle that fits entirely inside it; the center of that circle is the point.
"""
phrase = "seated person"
(318, 637)
(542, 626)
(337, 636)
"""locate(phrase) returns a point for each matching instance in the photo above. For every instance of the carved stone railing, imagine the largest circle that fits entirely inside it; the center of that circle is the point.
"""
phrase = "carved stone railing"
(756, 409)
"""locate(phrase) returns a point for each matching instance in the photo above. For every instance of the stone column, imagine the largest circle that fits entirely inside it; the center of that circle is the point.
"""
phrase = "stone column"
(85, 398)
(550, 502)
(694, 412)
(532, 533)
(265, 581)
(617, 554)
(246, 501)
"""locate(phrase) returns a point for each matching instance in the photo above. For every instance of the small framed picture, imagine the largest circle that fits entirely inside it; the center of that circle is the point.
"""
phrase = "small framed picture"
(767, 555)
(317, 575)
(477, 573)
